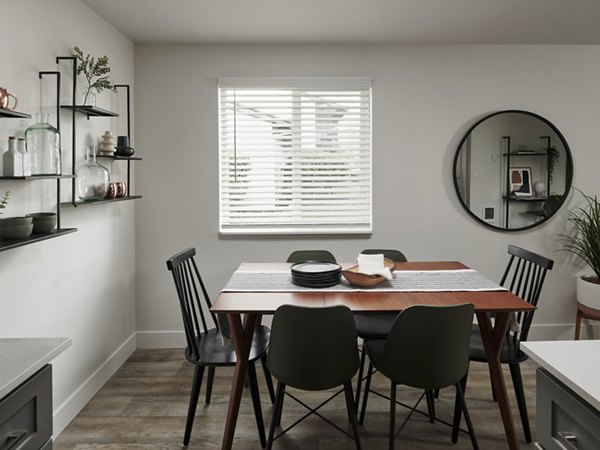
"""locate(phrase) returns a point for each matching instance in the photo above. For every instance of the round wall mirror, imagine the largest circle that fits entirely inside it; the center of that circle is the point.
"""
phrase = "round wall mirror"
(512, 170)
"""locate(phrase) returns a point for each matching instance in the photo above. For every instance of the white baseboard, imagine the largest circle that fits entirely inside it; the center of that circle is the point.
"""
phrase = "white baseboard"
(556, 332)
(83, 394)
(161, 339)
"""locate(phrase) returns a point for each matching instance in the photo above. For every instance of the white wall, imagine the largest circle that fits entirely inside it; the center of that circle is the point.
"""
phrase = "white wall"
(80, 285)
(424, 99)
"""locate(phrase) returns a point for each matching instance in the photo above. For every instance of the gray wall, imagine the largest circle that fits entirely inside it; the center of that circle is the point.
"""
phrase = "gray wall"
(80, 285)
(424, 99)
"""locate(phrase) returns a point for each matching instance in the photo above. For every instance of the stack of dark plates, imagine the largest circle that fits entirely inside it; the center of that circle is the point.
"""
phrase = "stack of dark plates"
(316, 274)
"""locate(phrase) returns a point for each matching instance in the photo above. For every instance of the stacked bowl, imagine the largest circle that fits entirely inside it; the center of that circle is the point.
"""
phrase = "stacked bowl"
(15, 228)
(43, 222)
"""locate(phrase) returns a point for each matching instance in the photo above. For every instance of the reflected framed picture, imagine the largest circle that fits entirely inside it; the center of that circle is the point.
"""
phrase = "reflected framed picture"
(520, 181)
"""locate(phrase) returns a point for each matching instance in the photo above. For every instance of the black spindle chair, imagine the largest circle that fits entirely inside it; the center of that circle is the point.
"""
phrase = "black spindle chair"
(524, 276)
(206, 345)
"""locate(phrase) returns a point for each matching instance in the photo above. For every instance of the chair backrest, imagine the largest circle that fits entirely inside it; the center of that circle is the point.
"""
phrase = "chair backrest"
(394, 255)
(428, 346)
(192, 297)
(524, 276)
(311, 255)
(313, 349)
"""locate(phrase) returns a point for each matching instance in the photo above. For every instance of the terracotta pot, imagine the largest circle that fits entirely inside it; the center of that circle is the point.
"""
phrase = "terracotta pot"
(588, 293)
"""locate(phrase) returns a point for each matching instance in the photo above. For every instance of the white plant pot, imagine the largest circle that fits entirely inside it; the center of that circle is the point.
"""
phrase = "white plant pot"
(588, 294)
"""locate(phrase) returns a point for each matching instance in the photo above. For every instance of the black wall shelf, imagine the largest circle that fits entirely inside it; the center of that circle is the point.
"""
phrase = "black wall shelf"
(94, 111)
(106, 200)
(14, 114)
(38, 177)
(91, 111)
(10, 244)
(120, 158)
(33, 238)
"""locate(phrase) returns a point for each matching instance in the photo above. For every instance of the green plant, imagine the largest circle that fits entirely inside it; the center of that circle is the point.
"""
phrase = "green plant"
(584, 240)
(95, 72)
(553, 156)
(4, 200)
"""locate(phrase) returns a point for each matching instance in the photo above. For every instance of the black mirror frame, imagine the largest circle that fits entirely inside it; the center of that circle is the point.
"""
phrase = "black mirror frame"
(568, 177)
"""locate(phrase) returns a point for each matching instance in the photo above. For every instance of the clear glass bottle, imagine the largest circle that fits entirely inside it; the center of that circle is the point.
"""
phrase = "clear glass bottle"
(43, 146)
(22, 148)
(92, 178)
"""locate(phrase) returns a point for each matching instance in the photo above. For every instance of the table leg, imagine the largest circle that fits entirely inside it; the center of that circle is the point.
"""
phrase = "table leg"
(241, 334)
(578, 324)
(493, 338)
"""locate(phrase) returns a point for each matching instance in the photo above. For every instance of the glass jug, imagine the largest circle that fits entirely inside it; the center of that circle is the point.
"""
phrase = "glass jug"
(92, 178)
(43, 146)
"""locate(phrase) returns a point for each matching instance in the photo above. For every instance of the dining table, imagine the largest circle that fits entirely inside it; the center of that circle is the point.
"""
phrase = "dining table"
(257, 289)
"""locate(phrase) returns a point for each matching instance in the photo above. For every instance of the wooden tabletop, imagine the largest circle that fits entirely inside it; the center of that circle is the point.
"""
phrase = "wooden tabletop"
(366, 301)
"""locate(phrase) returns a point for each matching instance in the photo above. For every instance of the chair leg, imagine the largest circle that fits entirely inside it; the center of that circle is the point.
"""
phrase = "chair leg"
(392, 416)
(515, 372)
(366, 394)
(276, 413)
(463, 405)
(268, 379)
(429, 395)
(458, 409)
(350, 407)
(209, 384)
(256, 404)
(198, 373)
(361, 369)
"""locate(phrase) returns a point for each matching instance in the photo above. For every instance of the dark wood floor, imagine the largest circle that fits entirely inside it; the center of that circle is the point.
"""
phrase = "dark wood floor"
(144, 406)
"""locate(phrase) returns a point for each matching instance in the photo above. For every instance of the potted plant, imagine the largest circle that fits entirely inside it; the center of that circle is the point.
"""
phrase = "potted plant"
(584, 242)
(4, 200)
(95, 72)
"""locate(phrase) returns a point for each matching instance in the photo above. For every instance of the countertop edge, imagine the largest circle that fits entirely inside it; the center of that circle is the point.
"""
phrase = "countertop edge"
(572, 377)
(55, 346)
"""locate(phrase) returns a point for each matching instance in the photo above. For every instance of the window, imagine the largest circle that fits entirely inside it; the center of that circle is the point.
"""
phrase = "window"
(295, 156)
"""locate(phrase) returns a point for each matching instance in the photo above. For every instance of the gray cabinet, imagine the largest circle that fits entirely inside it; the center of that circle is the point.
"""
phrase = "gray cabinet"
(565, 421)
(26, 414)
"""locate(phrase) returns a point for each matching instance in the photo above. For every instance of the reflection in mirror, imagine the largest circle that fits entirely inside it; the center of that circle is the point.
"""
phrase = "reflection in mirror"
(512, 170)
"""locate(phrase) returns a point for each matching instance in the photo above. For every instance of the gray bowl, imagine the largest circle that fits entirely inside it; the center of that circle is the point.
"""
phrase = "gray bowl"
(43, 222)
(42, 216)
(14, 221)
(16, 232)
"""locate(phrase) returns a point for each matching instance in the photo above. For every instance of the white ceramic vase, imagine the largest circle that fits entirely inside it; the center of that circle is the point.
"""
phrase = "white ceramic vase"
(588, 294)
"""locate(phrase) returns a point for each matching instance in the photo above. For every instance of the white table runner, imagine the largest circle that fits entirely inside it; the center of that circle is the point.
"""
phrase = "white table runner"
(404, 281)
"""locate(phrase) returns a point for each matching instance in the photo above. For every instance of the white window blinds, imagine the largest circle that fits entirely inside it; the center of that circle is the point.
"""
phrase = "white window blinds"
(295, 155)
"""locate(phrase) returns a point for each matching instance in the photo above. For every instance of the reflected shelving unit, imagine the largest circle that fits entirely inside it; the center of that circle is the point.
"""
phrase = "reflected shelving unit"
(94, 112)
(540, 155)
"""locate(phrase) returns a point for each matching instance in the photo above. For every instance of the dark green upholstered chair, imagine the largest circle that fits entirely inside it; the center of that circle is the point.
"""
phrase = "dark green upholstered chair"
(313, 349)
(206, 347)
(311, 255)
(427, 348)
(524, 276)
(374, 326)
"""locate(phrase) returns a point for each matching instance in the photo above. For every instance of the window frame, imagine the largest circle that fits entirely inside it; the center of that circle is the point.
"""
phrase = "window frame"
(362, 84)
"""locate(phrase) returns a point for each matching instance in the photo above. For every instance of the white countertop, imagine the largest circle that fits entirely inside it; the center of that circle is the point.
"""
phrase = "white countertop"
(575, 363)
(22, 357)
